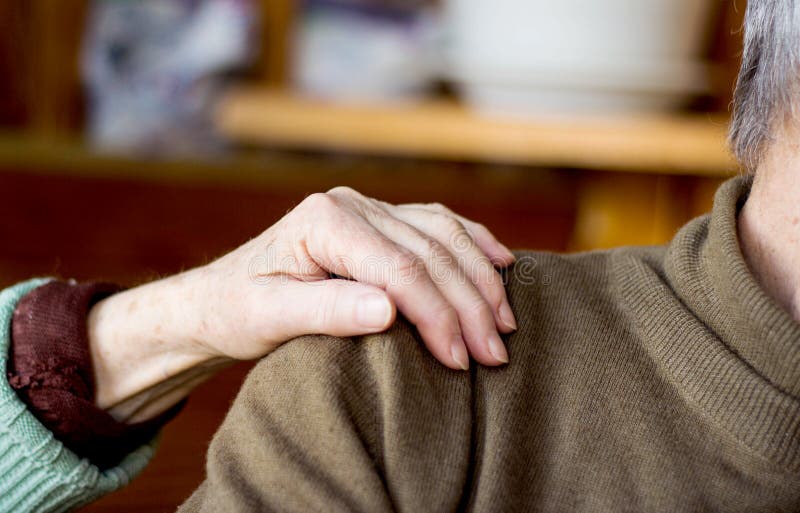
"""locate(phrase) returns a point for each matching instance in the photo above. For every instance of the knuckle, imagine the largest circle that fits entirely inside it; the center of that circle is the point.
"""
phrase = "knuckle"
(381, 204)
(481, 228)
(433, 248)
(325, 313)
(442, 314)
(409, 264)
(320, 201)
(461, 242)
(479, 313)
(343, 190)
(438, 207)
(478, 308)
(451, 224)
(439, 261)
(410, 271)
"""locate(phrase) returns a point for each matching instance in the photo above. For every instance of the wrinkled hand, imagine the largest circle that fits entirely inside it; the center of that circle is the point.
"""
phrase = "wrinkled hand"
(435, 267)
(339, 263)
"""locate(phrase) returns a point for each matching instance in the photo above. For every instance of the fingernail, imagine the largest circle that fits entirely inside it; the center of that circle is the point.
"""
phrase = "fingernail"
(508, 251)
(459, 353)
(373, 311)
(507, 316)
(498, 349)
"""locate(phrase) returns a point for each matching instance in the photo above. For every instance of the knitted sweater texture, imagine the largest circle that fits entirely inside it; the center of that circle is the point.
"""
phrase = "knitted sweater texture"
(37, 473)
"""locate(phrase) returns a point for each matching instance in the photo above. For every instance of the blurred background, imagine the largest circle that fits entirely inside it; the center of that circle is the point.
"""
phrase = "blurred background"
(142, 137)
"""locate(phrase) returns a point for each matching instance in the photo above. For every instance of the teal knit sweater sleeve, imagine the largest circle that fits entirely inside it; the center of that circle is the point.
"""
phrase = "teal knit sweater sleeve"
(37, 473)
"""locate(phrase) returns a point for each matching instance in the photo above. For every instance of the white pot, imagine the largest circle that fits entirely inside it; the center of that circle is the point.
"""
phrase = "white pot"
(573, 54)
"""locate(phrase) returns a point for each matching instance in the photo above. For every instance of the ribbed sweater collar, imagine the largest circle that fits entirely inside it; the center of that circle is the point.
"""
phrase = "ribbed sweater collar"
(749, 381)
(733, 304)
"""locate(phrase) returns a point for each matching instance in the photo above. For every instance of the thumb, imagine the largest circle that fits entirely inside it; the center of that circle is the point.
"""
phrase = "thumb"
(342, 308)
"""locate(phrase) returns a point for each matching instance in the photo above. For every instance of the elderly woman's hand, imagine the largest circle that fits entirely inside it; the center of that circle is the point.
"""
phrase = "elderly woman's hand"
(338, 264)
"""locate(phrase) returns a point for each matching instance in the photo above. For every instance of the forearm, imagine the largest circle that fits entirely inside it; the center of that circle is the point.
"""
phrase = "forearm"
(146, 347)
(152, 344)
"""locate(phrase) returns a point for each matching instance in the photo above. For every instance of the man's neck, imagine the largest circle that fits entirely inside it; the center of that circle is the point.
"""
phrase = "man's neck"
(769, 228)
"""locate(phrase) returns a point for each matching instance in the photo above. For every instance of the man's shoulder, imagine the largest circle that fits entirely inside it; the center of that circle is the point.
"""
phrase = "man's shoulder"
(547, 291)
(544, 276)
(366, 369)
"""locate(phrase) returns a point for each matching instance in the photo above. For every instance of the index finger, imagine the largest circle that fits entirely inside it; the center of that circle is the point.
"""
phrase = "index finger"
(497, 252)
(366, 255)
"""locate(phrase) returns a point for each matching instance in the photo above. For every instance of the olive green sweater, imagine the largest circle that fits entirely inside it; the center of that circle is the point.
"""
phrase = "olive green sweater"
(641, 379)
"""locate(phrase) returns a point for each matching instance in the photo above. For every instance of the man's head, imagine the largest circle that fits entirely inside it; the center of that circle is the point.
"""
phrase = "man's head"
(764, 97)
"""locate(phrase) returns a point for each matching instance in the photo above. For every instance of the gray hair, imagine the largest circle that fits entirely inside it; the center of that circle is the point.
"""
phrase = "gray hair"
(767, 79)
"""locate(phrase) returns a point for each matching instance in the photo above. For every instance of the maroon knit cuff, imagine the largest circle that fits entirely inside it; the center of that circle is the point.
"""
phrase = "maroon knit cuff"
(50, 368)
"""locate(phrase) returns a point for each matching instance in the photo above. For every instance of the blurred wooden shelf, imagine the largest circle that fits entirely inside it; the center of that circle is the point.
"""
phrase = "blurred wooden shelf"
(72, 157)
(661, 144)
(256, 168)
